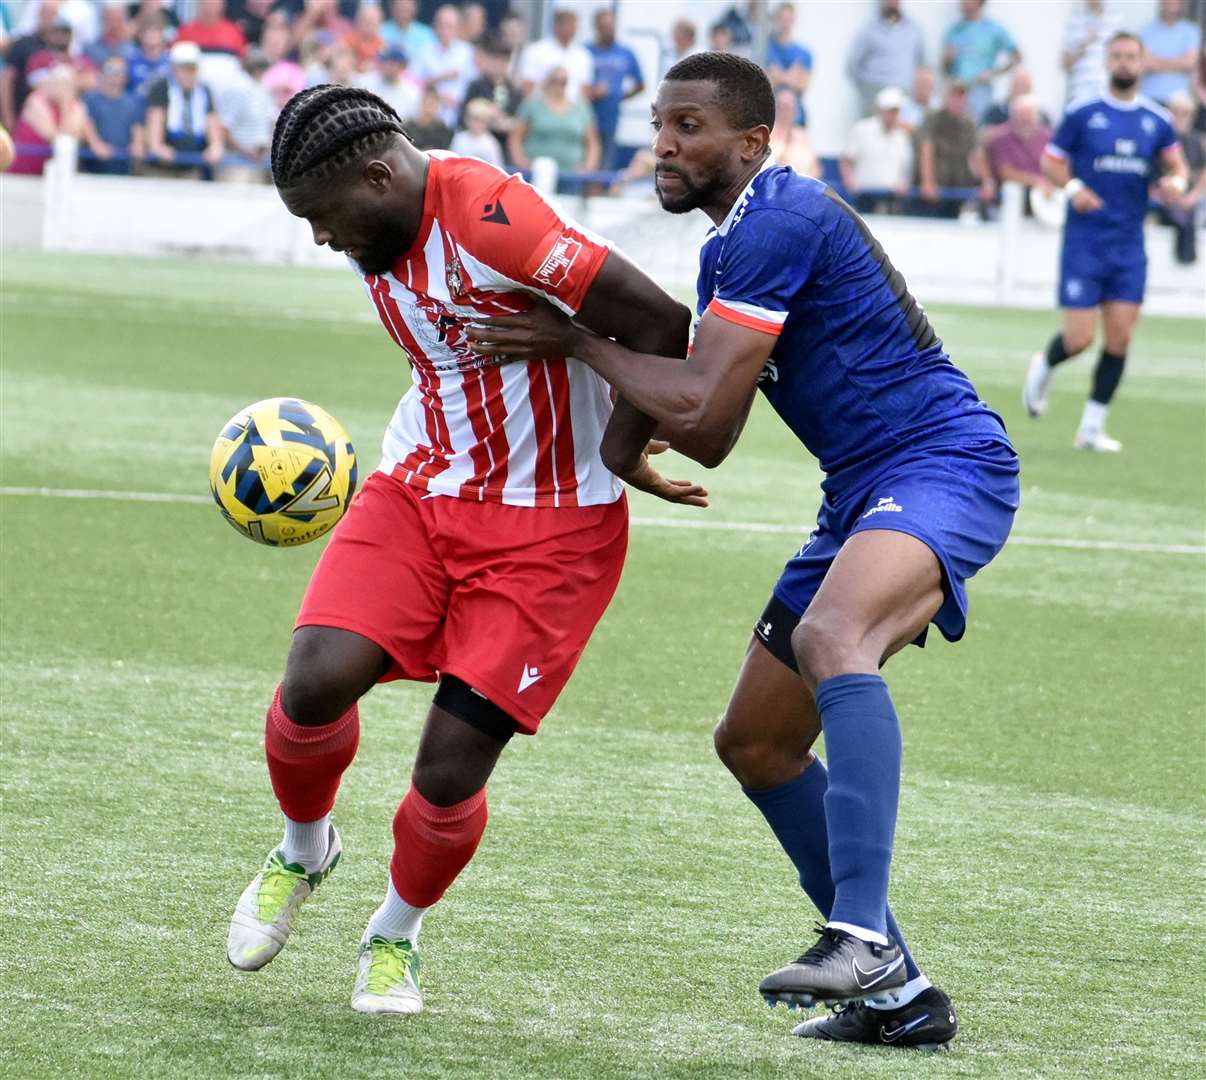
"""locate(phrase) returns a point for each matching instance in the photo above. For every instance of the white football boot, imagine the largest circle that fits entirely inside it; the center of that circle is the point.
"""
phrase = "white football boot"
(265, 912)
(1096, 439)
(387, 977)
(1034, 389)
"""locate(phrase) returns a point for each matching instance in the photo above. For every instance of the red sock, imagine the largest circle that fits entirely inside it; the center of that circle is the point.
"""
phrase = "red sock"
(432, 844)
(307, 763)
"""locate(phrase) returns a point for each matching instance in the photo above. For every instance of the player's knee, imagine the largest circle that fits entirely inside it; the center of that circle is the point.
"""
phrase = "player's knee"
(1077, 341)
(319, 684)
(823, 647)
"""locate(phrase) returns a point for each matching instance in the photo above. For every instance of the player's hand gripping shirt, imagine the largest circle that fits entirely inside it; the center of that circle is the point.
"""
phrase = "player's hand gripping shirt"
(525, 434)
(857, 372)
(1112, 146)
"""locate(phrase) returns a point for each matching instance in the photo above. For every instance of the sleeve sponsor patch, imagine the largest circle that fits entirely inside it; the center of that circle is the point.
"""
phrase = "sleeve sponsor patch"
(558, 262)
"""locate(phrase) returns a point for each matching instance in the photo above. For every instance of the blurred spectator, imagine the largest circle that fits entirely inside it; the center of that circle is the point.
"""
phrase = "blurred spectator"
(212, 32)
(81, 16)
(742, 23)
(1015, 150)
(14, 80)
(790, 143)
(476, 140)
(559, 51)
(473, 22)
(1172, 45)
(972, 51)
(617, 78)
(114, 131)
(364, 39)
(8, 150)
(341, 67)
(494, 85)
(251, 16)
(162, 12)
(788, 63)
(720, 38)
(391, 82)
(682, 44)
(1083, 56)
(316, 53)
(319, 17)
(246, 109)
(513, 33)
(150, 62)
(114, 37)
(51, 109)
(446, 66)
(920, 101)
(949, 154)
(1182, 214)
(1020, 85)
(283, 71)
(887, 52)
(428, 130)
(404, 30)
(181, 117)
(59, 51)
(551, 124)
(878, 157)
(220, 40)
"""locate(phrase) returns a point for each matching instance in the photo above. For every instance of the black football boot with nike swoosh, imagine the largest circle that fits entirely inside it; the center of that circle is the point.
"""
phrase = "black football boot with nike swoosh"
(925, 1023)
(839, 967)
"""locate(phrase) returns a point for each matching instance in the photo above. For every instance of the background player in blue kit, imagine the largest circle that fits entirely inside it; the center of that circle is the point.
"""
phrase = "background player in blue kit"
(1106, 155)
(797, 298)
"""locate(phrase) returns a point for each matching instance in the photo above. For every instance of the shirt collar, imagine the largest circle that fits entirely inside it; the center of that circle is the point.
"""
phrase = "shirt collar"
(723, 228)
(1118, 103)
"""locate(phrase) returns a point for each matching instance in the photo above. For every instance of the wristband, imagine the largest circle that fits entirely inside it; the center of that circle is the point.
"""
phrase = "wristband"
(1074, 187)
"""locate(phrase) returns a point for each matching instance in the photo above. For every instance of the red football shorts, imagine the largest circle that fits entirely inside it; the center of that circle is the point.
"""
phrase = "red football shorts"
(502, 597)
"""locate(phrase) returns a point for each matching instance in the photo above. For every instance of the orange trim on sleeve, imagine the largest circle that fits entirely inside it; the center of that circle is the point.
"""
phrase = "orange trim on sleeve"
(741, 319)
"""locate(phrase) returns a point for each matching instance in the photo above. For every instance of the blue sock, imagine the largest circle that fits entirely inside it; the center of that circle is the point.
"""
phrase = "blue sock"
(795, 811)
(863, 747)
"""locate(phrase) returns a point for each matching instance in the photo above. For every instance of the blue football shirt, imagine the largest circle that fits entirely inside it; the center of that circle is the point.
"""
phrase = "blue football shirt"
(857, 372)
(1112, 146)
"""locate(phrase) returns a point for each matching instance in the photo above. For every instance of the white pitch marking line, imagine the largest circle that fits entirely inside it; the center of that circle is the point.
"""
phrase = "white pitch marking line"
(649, 522)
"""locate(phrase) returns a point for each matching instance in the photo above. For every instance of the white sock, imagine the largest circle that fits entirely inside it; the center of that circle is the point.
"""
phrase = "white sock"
(860, 932)
(396, 919)
(307, 842)
(899, 998)
(1094, 416)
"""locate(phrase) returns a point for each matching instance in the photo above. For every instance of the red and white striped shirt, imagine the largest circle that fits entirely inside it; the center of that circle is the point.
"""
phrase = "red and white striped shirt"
(524, 433)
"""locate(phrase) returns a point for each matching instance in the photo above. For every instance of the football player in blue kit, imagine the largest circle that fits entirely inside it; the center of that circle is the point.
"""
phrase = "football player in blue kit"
(797, 298)
(1106, 155)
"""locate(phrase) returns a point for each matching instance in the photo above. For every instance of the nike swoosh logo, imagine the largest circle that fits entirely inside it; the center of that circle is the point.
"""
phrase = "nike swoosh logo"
(876, 974)
(249, 953)
(891, 1036)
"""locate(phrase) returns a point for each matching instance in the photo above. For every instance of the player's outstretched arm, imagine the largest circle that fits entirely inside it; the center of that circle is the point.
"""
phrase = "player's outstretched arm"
(699, 403)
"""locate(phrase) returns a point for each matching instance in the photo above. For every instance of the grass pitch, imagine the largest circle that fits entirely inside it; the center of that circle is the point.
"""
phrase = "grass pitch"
(626, 898)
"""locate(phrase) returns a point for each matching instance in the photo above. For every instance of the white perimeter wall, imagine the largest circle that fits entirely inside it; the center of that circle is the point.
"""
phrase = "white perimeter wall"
(943, 261)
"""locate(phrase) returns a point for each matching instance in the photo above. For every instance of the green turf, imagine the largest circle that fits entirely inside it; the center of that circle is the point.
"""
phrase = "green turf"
(626, 898)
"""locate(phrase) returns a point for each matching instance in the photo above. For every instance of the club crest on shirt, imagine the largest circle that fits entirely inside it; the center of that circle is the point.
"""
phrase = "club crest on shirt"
(1148, 125)
(454, 276)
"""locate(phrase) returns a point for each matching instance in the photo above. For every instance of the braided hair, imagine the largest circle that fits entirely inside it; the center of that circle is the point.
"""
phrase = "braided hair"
(326, 128)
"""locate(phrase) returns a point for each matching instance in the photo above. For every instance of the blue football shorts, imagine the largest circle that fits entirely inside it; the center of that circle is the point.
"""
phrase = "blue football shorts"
(959, 502)
(1092, 273)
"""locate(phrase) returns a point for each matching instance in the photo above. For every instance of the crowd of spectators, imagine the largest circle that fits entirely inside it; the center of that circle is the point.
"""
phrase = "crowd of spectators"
(192, 87)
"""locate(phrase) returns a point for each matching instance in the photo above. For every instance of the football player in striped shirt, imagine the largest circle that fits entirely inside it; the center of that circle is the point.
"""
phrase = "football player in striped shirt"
(486, 546)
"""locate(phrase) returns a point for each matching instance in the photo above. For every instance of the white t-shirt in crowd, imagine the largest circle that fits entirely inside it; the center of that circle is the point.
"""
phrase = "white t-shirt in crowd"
(880, 159)
(404, 96)
(484, 146)
(540, 57)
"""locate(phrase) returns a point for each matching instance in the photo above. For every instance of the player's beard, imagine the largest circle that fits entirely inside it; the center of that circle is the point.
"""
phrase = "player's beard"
(691, 196)
(389, 241)
(1123, 83)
